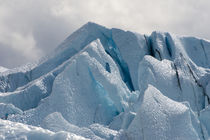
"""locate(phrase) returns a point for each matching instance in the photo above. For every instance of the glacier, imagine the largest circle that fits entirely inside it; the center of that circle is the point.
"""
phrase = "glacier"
(111, 84)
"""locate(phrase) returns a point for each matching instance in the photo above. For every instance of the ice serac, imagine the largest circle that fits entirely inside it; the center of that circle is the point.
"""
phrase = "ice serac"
(164, 74)
(132, 48)
(72, 45)
(29, 96)
(167, 46)
(110, 84)
(103, 94)
(23, 76)
(160, 118)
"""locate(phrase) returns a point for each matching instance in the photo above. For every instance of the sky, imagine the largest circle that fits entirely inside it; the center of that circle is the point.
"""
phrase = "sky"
(30, 29)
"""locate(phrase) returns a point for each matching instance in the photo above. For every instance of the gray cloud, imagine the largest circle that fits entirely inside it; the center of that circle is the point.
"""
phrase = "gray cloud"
(30, 29)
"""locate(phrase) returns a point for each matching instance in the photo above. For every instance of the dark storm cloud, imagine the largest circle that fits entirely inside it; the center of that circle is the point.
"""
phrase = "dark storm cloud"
(31, 28)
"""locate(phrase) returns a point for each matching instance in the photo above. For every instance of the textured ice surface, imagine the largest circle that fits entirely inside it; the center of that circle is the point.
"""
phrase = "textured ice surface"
(160, 118)
(110, 84)
(169, 77)
(12, 131)
(132, 48)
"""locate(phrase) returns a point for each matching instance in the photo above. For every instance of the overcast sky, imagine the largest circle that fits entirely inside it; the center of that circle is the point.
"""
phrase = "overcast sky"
(30, 29)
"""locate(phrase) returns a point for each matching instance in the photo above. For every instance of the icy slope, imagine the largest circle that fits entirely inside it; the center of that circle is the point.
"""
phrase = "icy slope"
(111, 84)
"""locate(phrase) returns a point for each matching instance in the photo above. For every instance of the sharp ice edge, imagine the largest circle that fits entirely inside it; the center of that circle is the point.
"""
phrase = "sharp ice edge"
(110, 84)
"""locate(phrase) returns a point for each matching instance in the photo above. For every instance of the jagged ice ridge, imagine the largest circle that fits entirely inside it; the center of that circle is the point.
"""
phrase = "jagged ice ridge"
(111, 84)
